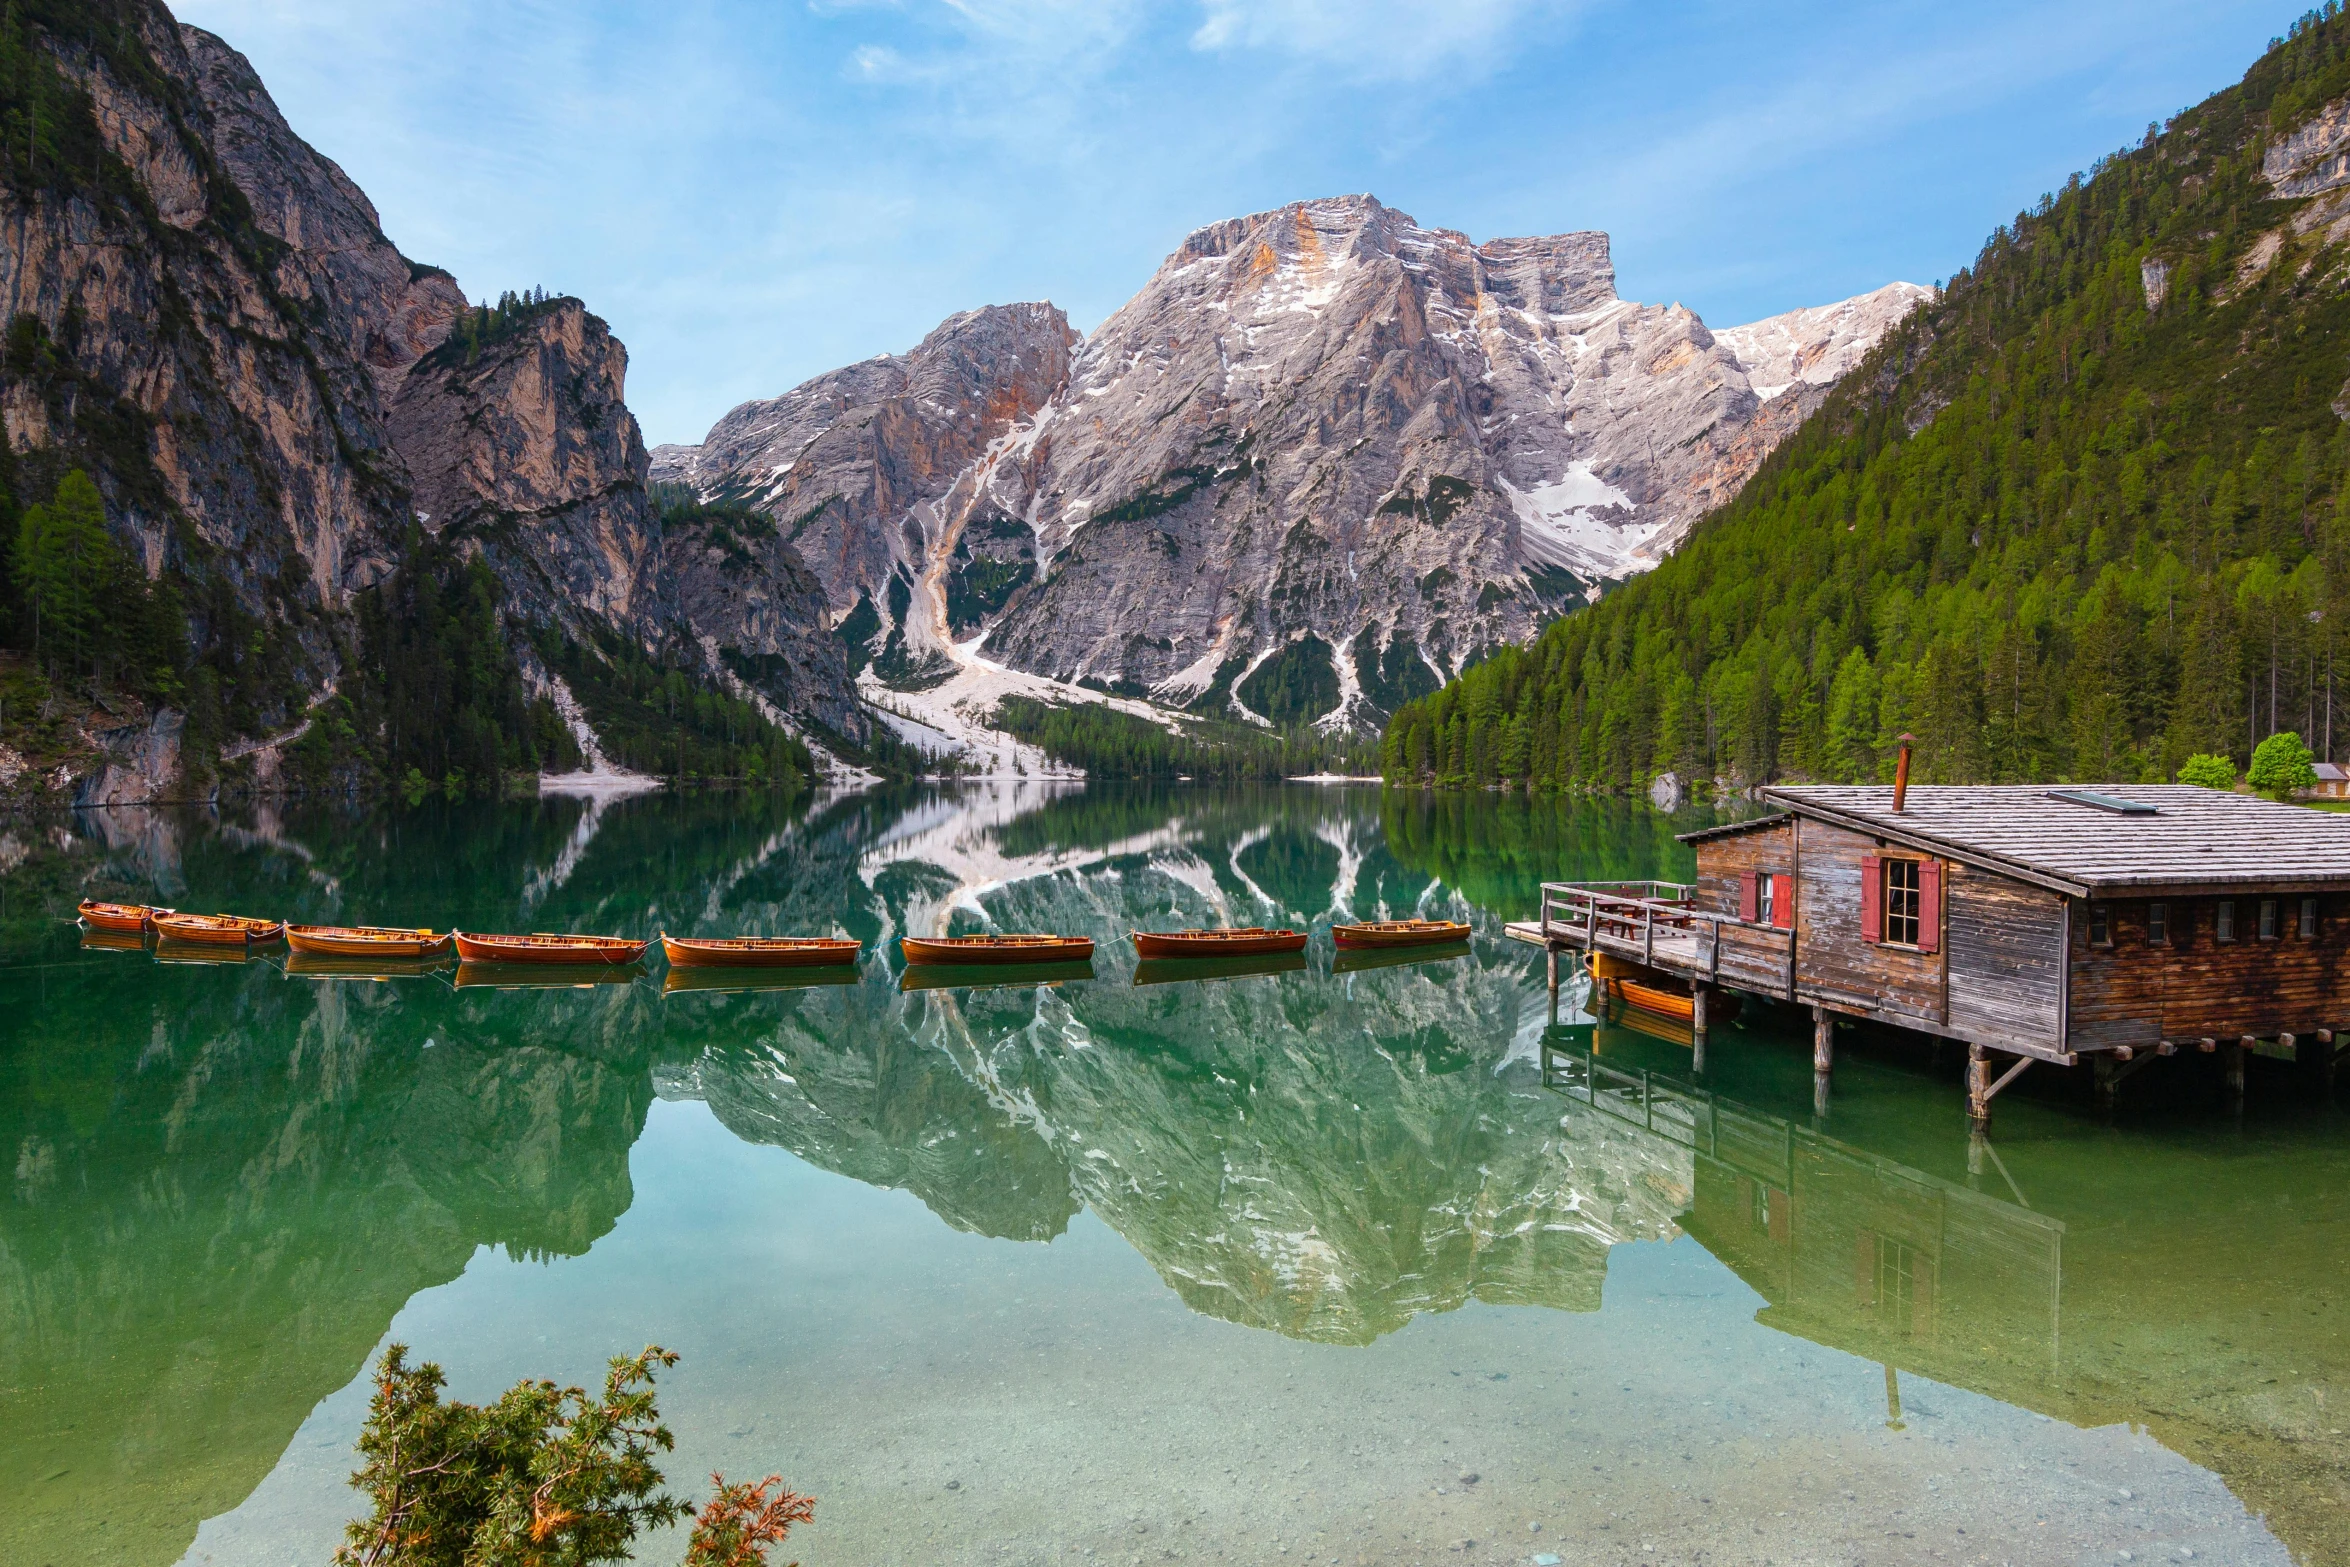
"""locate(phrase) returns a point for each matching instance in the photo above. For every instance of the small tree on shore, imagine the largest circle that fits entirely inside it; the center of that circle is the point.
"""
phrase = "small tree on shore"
(2209, 771)
(544, 1477)
(2282, 765)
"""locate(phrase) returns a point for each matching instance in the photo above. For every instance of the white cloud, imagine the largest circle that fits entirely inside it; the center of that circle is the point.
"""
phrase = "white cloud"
(1378, 40)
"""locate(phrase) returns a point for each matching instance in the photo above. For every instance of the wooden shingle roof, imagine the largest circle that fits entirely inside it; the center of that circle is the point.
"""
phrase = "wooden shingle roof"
(2192, 838)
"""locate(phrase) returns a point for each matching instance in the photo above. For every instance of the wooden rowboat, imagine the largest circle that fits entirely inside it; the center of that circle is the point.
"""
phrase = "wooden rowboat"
(367, 941)
(996, 949)
(1232, 942)
(542, 948)
(137, 918)
(758, 951)
(1654, 994)
(1399, 933)
(217, 930)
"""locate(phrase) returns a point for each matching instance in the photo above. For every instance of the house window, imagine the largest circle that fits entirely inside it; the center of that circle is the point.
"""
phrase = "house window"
(2158, 924)
(2100, 925)
(1901, 902)
(1766, 899)
(2224, 922)
(2309, 919)
(2268, 919)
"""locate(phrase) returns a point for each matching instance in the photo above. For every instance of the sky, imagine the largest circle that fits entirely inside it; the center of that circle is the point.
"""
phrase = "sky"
(753, 192)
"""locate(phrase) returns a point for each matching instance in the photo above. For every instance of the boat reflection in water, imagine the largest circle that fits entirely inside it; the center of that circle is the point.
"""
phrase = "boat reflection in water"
(992, 976)
(740, 981)
(1360, 960)
(1176, 971)
(534, 976)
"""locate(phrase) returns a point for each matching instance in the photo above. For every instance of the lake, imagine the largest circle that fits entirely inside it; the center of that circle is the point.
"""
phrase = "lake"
(1347, 1262)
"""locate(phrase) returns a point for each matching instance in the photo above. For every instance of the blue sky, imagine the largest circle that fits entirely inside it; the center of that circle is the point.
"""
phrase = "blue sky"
(752, 193)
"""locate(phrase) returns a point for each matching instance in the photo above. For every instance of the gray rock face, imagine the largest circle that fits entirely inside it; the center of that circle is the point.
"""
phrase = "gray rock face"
(851, 464)
(1324, 434)
(384, 311)
(203, 359)
(247, 366)
(528, 452)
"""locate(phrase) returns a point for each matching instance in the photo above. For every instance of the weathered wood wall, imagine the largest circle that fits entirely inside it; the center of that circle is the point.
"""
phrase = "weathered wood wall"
(1833, 960)
(2006, 949)
(2200, 987)
(1722, 864)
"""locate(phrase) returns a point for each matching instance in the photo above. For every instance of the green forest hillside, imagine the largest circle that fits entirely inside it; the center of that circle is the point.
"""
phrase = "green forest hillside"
(2080, 517)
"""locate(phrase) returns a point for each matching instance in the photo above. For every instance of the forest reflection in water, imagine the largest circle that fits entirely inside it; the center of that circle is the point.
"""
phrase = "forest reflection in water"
(230, 1180)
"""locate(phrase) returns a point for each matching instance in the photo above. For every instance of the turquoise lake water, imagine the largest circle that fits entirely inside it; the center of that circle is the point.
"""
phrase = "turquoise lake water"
(1380, 1264)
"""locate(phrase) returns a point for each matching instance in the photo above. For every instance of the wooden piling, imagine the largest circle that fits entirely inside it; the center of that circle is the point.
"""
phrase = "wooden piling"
(1823, 1041)
(1978, 1084)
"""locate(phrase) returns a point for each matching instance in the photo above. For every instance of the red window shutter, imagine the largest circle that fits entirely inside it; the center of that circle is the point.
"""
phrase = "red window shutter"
(1872, 898)
(1750, 897)
(1930, 906)
(1783, 902)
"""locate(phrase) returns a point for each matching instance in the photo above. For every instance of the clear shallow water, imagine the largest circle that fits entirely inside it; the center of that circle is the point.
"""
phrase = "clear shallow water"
(1252, 1270)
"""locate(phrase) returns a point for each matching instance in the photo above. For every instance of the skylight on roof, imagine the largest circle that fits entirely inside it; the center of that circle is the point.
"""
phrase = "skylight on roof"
(2104, 802)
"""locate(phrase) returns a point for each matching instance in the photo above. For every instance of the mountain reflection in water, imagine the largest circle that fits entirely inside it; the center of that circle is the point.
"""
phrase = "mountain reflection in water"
(228, 1180)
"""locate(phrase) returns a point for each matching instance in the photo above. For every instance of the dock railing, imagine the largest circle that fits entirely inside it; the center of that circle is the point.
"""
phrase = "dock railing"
(1659, 924)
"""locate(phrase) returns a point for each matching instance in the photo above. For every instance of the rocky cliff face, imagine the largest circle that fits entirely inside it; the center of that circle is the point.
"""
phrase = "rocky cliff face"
(197, 348)
(527, 449)
(207, 316)
(852, 465)
(1324, 435)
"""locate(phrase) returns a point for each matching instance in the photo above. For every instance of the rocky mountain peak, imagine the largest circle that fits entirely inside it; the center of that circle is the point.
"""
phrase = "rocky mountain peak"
(1322, 459)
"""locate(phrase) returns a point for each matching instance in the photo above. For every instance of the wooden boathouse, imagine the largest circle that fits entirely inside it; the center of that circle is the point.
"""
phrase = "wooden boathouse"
(2110, 925)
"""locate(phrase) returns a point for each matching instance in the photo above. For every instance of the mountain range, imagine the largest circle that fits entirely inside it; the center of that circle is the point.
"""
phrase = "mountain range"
(1323, 461)
(1323, 439)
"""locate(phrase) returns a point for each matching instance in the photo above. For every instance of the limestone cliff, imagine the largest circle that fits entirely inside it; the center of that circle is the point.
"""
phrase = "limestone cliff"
(525, 449)
(1323, 433)
(852, 464)
(204, 313)
(201, 351)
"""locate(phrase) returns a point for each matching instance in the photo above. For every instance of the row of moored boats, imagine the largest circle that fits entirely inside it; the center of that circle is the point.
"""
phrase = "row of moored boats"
(397, 942)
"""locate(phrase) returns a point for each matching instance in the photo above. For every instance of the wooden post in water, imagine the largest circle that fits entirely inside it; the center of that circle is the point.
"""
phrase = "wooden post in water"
(1697, 999)
(2237, 1053)
(1552, 954)
(1978, 1085)
(1823, 1057)
(2314, 1052)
